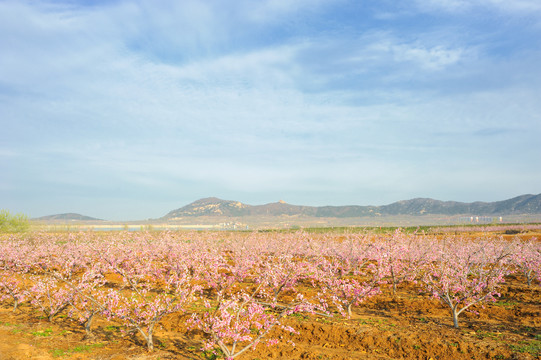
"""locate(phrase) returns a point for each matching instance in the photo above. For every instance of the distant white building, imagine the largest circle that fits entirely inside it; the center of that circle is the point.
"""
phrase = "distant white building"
(480, 219)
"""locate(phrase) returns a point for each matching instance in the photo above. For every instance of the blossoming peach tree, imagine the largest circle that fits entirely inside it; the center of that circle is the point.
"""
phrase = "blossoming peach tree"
(467, 273)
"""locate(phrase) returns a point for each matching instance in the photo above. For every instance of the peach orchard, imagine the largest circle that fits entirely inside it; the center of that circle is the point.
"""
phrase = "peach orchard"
(238, 287)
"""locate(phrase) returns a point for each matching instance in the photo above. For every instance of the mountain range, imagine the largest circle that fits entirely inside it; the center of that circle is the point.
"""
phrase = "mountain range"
(212, 206)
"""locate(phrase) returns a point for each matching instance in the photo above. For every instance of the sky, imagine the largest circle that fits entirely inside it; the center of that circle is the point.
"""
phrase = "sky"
(125, 110)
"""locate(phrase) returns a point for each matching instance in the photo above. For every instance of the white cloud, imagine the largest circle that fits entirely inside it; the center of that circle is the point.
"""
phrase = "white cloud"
(435, 58)
(269, 67)
(425, 53)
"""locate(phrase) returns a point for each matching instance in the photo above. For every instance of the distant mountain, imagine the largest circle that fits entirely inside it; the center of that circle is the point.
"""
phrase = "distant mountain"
(210, 207)
(524, 204)
(67, 217)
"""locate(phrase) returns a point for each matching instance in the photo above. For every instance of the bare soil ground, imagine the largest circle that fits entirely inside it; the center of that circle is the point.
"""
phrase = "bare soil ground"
(412, 325)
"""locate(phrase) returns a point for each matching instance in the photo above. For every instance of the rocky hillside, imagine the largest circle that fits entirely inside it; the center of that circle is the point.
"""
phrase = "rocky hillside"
(524, 204)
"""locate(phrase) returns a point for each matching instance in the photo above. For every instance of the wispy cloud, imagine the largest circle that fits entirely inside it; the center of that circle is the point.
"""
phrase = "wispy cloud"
(493, 131)
(435, 58)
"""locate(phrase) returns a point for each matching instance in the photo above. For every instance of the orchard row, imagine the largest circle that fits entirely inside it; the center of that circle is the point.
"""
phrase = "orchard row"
(238, 287)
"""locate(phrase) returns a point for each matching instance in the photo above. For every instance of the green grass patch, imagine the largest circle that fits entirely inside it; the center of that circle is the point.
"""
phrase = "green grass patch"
(112, 328)
(506, 304)
(76, 349)
(370, 321)
(213, 354)
(324, 320)
(18, 329)
(528, 329)
(299, 316)
(487, 334)
(532, 347)
(43, 333)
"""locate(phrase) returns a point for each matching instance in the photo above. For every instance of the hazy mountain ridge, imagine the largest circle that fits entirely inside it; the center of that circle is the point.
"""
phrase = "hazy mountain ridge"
(524, 204)
(67, 216)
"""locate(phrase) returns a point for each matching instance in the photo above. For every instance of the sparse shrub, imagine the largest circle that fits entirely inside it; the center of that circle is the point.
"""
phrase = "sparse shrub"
(13, 222)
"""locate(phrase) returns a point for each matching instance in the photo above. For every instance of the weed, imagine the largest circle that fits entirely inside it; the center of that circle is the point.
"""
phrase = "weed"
(77, 349)
(57, 352)
(112, 328)
(324, 320)
(299, 316)
(487, 334)
(86, 348)
(529, 329)
(371, 321)
(531, 347)
(17, 329)
(212, 355)
(506, 304)
(43, 333)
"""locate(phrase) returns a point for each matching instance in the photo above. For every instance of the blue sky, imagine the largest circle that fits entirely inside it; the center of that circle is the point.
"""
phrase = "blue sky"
(128, 109)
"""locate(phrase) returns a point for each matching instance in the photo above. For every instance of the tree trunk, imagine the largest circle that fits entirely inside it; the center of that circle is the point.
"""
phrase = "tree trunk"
(150, 338)
(88, 323)
(394, 281)
(455, 318)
